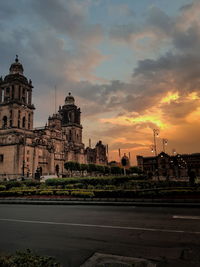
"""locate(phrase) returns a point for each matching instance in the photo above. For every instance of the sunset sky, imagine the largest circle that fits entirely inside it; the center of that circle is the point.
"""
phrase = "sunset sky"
(132, 66)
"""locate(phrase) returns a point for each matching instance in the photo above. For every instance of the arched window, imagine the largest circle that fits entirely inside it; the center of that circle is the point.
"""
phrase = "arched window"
(19, 116)
(24, 122)
(29, 121)
(2, 95)
(72, 117)
(5, 122)
(69, 117)
(11, 122)
(70, 135)
(24, 95)
(19, 92)
(13, 91)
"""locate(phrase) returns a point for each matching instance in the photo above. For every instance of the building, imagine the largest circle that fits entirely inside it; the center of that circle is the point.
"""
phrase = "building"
(25, 149)
(165, 165)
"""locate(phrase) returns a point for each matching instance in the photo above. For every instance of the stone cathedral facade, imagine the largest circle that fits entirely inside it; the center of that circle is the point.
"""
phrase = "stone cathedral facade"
(25, 149)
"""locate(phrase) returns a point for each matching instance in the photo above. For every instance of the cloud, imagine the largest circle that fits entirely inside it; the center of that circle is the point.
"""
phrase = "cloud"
(120, 10)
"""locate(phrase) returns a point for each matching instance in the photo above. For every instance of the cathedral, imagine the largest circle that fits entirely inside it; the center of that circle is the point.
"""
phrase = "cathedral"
(25, 149)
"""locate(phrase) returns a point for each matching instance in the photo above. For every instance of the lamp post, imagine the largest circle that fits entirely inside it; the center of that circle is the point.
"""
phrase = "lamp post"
(164, 143)
(156, 134)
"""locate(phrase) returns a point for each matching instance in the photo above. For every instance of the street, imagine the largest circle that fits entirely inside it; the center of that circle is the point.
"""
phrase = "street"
(73, 233)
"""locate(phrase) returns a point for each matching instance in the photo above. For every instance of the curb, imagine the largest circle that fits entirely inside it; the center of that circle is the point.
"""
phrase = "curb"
(106, 202)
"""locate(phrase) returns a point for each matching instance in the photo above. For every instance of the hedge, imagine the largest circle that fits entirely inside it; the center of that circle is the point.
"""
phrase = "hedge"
(160, 192)
(62, 193)
(85, 194)
(90, 180)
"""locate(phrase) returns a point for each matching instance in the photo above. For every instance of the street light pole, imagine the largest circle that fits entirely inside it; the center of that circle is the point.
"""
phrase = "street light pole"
(164, 143)
(155, 134)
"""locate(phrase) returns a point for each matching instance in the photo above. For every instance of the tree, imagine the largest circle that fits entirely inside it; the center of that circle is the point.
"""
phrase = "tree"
(91, 167)
(100, 168)
(72, 166)
(83, 167)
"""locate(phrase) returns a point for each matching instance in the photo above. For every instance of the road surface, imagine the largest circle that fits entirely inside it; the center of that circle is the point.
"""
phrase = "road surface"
(72, 233)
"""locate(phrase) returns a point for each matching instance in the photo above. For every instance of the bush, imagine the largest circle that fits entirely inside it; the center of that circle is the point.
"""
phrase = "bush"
(85, 194)
(116, 170)
(62, 193)
(32, 182)
(27, 258)
(46, 192)
(11, 184)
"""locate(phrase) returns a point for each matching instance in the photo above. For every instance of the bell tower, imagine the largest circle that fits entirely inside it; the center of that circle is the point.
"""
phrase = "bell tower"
(16, 108)
(71, 120)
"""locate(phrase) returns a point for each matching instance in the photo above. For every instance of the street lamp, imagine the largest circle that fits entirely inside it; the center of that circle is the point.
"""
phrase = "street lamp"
(164, 143)
(152, 148)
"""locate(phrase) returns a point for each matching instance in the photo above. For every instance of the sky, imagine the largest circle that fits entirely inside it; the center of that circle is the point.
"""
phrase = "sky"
(132, 66)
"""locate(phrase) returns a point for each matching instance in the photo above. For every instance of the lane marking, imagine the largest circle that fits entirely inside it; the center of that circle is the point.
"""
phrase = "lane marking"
(186, 217)
(102, 226)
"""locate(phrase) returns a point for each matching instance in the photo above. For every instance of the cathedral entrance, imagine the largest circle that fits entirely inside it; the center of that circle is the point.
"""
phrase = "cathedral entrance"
(57, 170)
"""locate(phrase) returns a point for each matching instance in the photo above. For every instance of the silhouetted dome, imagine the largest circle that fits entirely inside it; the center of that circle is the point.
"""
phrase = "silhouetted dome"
(16, 67)
(69, 100)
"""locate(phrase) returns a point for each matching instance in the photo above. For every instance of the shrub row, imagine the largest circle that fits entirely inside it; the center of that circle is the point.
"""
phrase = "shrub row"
(110, 182)
(90, 180)
(105, 193)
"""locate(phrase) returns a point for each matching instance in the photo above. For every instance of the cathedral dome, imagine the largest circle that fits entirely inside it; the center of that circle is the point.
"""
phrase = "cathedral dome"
(16, 73)
(16, 67)
(69, 100)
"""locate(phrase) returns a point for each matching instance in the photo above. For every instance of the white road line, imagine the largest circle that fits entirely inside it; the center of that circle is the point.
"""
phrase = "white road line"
(186, 217)
(103, 226)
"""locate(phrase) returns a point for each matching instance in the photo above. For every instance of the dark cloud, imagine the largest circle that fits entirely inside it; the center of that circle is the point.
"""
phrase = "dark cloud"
(130, 146)
(159, 20)
(175, 112)
(186, 7)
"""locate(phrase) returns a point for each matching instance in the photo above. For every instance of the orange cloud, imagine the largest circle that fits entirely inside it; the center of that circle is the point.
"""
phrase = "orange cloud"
(170, 97)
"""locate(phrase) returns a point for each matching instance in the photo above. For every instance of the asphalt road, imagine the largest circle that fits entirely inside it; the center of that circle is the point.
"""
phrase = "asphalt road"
(73, 233)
